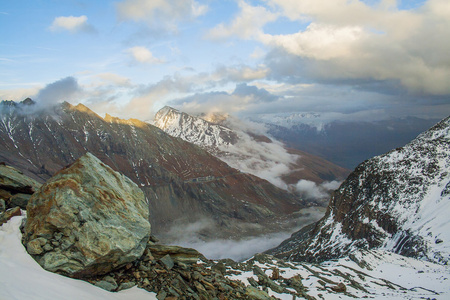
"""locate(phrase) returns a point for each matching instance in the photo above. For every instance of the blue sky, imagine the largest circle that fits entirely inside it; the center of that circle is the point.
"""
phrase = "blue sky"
(366, 59)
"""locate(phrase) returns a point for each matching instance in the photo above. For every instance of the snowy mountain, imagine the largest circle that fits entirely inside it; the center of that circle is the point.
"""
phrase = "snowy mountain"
(397, 202)
(249, 152)
(194, 130)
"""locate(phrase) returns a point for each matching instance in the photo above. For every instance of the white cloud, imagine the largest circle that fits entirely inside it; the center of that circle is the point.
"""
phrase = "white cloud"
(311, 190)
(240, 73)
(352, 40)
(377, 42)
(246, 24)
(160, 13)
(72, 24)
(143, 55)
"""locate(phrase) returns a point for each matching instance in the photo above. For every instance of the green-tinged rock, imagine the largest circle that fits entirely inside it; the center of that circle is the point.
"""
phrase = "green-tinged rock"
(98, 217)
(106, 285)
(2, 206)
(254, 293)
(20, 200)
(167, 261)
(7, 215)
(178, 254)
(126, 285)
(15, 181)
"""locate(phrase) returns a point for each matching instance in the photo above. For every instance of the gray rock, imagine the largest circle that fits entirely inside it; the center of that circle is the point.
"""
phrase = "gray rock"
(255, 293)
(106, 285)
(2, 206)
(126, 285)
(7, 215)
(20, 200)
(15, 181)
(34, 247)
(98, 216)
(167, 261)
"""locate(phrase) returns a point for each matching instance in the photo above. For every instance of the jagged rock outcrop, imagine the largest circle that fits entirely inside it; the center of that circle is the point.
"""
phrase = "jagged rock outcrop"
(246, 151)
(15, 187)
(182, 182)
(397, 201)
(86, 220)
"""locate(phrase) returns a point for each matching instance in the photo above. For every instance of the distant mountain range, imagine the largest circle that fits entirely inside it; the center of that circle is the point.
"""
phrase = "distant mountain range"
(397, 202)
(346, 142)
(183, 183)
(248, 151)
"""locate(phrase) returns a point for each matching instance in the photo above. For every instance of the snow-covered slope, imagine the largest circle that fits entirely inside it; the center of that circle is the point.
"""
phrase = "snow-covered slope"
(21, 277)
(370, 274)
(192, 129)
(398, 201)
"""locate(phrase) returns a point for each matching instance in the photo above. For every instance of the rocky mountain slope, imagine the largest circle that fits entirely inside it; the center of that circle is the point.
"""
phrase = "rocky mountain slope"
(248, 152)
(182, 182)
(397, 202)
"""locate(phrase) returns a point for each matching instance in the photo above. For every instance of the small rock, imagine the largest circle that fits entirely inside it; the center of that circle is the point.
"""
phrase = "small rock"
(200, 288)
(2, 206)
(126, 285)
(7, 215)
(34, 247)
(20, 200)
(254, 293)
(106, 285)
(340, 288)
(438, 241)
(275, 274)
(161, 295)
(220, 267)
(47, 247)
(167, 261)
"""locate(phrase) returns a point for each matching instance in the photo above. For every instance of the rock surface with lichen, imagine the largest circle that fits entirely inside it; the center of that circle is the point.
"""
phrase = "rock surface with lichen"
(87, 220)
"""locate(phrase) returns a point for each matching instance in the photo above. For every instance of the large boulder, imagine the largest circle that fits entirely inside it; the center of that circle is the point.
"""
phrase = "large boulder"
(87, 220)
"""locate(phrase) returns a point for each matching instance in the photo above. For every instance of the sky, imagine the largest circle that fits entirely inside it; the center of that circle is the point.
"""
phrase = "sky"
(129, 58)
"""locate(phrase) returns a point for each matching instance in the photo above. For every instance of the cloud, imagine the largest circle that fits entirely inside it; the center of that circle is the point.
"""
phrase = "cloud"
(312, 191)
(72, 24)
(191, 236)
(260, 95)
(66, 89)
(246, 24)
(143, 55)
(344, 42)
(240, 73)
(160, 13)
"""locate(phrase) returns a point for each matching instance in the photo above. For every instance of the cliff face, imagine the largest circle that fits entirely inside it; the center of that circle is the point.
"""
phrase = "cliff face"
(397, 201)
(182, 182)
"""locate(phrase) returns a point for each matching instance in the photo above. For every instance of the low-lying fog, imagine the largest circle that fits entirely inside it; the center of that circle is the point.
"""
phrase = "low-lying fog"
(189, 236)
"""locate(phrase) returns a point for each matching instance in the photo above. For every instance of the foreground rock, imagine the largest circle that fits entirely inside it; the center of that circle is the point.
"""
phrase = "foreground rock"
(178, 273)
(86, 220)
(15, 188)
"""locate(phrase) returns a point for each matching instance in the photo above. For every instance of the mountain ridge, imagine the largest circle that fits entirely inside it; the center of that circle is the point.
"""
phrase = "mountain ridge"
(182, 182)
(392, 202)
